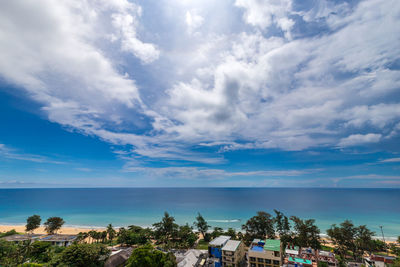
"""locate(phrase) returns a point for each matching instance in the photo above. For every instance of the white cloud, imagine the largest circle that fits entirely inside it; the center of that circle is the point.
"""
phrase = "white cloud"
(360, 139)
(228, 89)
(13, 154)
(193, 21)
(390, 160)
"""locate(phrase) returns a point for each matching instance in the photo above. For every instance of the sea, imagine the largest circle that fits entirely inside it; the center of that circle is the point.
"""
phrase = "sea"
(221, 207)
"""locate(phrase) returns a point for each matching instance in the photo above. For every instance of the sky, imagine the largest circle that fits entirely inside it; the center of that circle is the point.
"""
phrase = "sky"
(185, 93)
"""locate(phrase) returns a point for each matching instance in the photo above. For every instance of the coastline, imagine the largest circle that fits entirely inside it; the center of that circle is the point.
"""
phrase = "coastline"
(67, 230)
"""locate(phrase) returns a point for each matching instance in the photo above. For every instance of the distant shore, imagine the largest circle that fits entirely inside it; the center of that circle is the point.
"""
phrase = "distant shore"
(64, 230)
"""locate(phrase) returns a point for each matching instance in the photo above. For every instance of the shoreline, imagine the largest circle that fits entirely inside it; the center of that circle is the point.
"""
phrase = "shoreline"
(75, 229)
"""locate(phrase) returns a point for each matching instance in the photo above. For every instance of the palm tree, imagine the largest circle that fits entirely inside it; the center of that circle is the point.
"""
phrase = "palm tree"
(111, 232)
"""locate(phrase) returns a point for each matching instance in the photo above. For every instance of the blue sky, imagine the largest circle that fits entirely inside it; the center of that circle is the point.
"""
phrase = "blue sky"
(200, 93)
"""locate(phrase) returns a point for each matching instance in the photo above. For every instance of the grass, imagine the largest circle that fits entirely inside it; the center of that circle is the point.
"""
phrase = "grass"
(202, 244)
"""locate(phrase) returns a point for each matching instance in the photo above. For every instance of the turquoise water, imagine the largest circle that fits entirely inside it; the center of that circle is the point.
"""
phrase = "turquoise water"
(223, 207)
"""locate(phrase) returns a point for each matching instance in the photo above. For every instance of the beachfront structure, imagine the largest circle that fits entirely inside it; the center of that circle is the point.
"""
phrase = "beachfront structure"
(59, 240)
(297, 262)
(378, 261)
(215, 249)
(318, 256)
(292, 251)
(265, 253)
(232, 253)
(20, 238)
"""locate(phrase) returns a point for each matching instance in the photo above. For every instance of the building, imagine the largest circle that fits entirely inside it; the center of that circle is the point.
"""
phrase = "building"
(215, 249)
(191, 257)
(20, 238)
(232, 253)
(59, 240)
(318, 256)
(297, 262)
(292, 251)
(119, 257)
(265, 253)
(378, 261)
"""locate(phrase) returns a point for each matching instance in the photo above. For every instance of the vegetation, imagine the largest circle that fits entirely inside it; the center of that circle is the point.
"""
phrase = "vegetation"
(32, 223)
(259, 226)
(53, 224)
(83, 255)
(351, 242)
(348, 238)
(8, 233)
(201, 225)
(149, 257)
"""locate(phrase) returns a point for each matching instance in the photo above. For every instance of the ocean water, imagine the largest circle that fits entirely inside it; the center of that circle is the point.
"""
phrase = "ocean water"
(223, 207)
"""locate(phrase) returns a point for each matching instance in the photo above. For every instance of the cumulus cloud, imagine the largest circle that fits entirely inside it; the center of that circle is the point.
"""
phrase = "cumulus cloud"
(359, 139)
(242, 88)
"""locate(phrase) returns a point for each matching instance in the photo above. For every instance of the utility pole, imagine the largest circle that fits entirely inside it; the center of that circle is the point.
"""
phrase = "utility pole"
(383, 236)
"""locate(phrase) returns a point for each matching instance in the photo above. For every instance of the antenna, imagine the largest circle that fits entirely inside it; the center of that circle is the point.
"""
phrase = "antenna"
(383, 236)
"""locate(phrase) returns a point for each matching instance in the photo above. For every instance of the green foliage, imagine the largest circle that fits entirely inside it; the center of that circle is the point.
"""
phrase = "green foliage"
(306, 233)
(134, 235)
(231, 232)
(349, 238)
(259, 226)
(41, 252)
(218, 231)
(53, 224)
(147, 256)
(166, 230)
(83, 255)
(186, 237)
(111, 232)
(32, 223)
(201, 224)
(322, 264)
(282, 227)
(32, 264)
(8, 233)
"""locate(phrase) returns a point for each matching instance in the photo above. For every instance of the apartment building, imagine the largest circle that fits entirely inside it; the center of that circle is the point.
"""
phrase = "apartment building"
(265, 253)
(232, 253)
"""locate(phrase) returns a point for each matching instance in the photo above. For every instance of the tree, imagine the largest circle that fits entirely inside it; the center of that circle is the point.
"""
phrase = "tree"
(282, 227)
(306, 233)
(231, 232)
(135, 235)
(32, 223)
(166, 229)
(347, 237)
(111, 232)
(84, 255)
(201, 225)
(259, 226)
(149, 257)
(53, 224)
(217, 232)
(186, 237)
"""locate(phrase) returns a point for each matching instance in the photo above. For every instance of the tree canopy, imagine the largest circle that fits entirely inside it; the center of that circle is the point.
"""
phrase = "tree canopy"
(32, 223)
(53, 224)
(84, 255)
(147, 256)
(259, 226)
(201, 225)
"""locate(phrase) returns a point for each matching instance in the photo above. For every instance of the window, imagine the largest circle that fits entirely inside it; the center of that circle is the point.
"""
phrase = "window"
(276, 262)
(260, 265)
(253, 265)
(260, 260)
(268, 261)
(252, 259)
(276, 253)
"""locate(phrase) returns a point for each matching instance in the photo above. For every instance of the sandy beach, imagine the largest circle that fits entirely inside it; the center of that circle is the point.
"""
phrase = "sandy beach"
(64, 230)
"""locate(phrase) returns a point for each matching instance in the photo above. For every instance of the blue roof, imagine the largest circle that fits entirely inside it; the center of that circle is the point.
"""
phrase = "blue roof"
(257, 248)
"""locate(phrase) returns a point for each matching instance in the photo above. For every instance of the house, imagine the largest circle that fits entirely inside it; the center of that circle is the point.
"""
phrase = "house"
(318, 256)
(297, 262)
(265, 253)
(59, 240)
(20, 238)
(118, 258)
(232, 253)
(215, 249)
(378, 261)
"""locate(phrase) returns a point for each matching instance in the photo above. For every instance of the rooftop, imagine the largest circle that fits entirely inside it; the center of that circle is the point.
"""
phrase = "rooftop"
(58, 238)
(298, 260)
(272, 244)
(220, 240)
(231, 245)
(18, 237)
